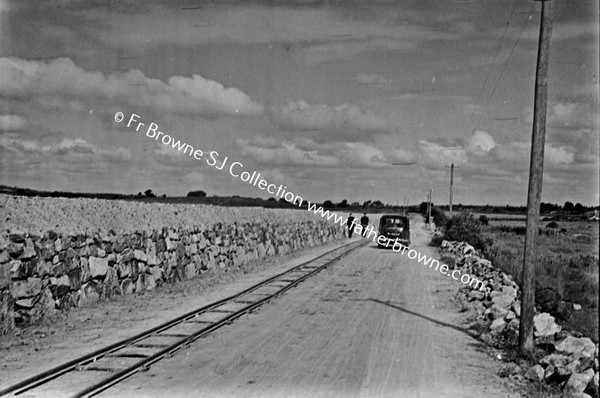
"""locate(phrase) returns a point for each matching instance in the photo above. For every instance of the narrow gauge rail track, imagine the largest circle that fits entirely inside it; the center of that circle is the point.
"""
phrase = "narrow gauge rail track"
(127, 357)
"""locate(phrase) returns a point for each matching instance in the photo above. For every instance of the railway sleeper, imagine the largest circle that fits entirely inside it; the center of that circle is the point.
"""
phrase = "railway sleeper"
(150, 345)
(244, 302)
(173, 335)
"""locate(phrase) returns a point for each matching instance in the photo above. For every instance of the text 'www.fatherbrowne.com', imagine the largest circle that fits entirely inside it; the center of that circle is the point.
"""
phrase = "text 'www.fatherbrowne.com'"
(236, 170)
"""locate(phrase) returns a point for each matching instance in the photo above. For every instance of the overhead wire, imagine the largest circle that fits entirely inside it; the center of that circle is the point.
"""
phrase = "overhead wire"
(504, 67)
(492, 64)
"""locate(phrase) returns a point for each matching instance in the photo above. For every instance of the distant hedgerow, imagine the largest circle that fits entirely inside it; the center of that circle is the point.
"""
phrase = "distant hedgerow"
(466, 228)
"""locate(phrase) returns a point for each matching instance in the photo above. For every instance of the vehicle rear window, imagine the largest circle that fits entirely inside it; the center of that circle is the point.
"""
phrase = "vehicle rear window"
(397, 222)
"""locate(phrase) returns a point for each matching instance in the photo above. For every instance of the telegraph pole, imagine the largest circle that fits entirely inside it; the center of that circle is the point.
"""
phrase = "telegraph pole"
(536, 171)
(429, 206)
(452, 166)
(403, 203)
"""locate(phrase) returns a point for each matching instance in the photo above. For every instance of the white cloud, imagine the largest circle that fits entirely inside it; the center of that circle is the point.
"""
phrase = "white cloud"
(481, 155)
(516, 155)
(62, 78)
(480, 143)
(434, 155)
(12, 123)
(360, 154)
(400, 155)
(573, 114)
(516, 152)
(559, 155)
(302, 116)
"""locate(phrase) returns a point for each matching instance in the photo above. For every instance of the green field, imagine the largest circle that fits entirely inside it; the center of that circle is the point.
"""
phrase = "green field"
(567, 269)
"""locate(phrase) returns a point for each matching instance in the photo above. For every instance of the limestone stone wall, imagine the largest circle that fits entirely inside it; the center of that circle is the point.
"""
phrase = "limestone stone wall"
(570, 361)
(56, 271)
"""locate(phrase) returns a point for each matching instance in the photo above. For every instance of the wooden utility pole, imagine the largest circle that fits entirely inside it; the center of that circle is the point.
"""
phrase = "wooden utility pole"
(429, 206)
(536, 171)
(452, 166)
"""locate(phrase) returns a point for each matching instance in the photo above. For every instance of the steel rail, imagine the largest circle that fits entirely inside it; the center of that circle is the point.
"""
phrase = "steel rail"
(77, 363)
(116, 378)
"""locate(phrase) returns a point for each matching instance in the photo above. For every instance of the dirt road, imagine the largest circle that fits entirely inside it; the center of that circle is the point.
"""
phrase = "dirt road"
(375, 324)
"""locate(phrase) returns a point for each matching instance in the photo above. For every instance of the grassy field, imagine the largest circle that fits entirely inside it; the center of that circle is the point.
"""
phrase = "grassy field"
(567, 270)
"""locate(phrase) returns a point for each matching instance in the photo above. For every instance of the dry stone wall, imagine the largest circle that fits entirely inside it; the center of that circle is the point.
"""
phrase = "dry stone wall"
(41, 274)
(571, 361)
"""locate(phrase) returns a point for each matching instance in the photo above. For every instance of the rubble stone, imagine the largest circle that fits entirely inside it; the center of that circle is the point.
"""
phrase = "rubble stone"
(26, 288)
(576, 347)
(498, 325)
(535, 373)
(98, 267)
(544, 325)
(560, 364)
(577, 383)
(501, 299)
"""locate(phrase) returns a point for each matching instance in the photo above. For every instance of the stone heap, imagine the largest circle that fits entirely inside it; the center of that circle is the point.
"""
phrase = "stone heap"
(495, 312)
(42, 274)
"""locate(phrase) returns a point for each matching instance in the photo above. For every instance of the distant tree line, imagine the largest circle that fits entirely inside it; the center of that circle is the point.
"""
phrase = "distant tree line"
(328, 204)
(196, 194)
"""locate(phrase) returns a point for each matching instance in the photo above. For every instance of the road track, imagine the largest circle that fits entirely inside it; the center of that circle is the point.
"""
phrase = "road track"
(123, 359)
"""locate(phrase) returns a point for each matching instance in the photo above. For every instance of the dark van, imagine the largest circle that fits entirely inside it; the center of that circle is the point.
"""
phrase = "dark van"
(394, 227)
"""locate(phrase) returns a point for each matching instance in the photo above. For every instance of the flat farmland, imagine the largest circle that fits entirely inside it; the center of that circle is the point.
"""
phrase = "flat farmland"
(566, 272)
(503, 219)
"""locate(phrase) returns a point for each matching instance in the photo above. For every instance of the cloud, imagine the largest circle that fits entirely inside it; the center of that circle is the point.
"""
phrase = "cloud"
(67, 149)
(571, 112)
(483, 156)
(62, 78)
(303, 151)
(360, 154)
(436, 156)
(332, 50)
(480, 143)
(562, 155)
(12, 123)
(255, 23)
(302, 116)
(516, 155)
(335, 31)
(563, 31)
(572, 115)
(288, 154)
(374, 79)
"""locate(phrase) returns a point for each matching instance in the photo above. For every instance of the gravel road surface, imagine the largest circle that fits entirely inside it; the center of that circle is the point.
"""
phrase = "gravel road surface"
(375, 324)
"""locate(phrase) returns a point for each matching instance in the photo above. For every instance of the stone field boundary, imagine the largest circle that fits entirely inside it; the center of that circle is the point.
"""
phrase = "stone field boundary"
(42, 274)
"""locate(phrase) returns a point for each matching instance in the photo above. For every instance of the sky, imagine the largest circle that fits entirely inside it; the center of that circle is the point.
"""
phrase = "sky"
(319, 96)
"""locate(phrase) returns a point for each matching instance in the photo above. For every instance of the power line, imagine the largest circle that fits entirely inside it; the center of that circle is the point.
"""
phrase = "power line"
(504, 67)
(492, 64)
